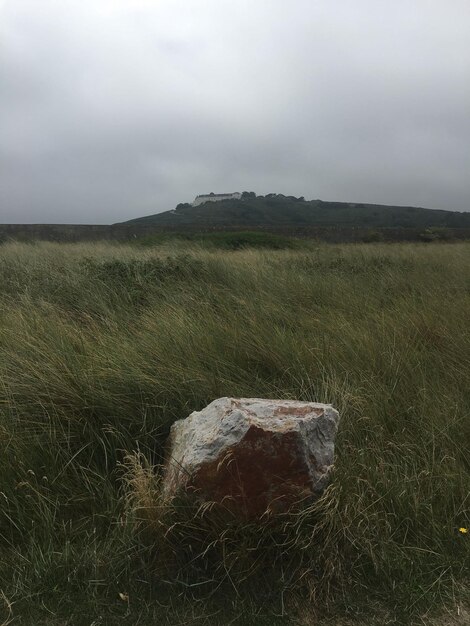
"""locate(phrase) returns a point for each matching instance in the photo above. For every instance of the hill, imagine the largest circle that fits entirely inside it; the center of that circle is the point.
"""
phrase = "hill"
(287, 212)
(274, 213)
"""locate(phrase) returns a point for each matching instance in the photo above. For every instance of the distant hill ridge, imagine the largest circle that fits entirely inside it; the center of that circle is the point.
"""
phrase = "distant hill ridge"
(279, 211)
(274, 213)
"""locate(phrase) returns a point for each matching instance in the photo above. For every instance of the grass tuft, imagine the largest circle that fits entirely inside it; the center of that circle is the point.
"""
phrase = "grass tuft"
(104, 346)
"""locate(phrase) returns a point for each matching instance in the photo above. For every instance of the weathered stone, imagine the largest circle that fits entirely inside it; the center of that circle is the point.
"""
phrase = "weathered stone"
(252, 454)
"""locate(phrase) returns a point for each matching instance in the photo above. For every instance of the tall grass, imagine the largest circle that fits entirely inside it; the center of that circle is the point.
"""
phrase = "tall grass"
(103, 346)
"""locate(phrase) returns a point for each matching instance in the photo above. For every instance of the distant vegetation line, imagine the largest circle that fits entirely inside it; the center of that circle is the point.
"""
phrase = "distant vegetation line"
(274, 213)
(128, 233)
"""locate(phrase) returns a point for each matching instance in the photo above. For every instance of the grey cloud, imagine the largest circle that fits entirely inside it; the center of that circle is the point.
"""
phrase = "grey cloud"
(114, 109)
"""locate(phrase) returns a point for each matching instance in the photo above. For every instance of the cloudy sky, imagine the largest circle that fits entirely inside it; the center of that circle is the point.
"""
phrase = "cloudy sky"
(113, 109)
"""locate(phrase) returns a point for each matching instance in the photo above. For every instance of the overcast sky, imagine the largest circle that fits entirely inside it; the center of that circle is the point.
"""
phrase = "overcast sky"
(114, 109)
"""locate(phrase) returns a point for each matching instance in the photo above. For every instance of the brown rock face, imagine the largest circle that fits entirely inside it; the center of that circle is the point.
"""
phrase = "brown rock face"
(253, 455)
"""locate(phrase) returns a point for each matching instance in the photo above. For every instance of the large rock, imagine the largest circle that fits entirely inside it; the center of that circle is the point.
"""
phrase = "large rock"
(252, 455)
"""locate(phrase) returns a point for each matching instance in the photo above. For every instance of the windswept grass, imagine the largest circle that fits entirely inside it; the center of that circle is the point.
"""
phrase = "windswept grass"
(103, 346)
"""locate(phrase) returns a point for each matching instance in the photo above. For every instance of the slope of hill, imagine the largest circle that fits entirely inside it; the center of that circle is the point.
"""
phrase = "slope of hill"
(279, 211)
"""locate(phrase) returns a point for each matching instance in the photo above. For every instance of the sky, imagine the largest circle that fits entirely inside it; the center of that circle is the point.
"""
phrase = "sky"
(115, 109)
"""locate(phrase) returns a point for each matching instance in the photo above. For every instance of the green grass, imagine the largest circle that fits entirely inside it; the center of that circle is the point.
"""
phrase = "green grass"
(103, 346)
(224, 240)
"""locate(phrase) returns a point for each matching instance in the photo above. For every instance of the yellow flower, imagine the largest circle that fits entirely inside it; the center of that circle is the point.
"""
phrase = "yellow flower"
(464, 531)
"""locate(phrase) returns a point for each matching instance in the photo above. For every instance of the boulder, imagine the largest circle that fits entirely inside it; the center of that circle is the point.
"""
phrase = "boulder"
(252, 455)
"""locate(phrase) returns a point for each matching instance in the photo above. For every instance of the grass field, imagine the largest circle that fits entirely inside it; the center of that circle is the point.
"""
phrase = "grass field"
(103, 346)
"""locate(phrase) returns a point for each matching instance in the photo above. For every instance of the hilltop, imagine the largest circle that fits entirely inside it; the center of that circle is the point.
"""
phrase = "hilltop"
(279, 211)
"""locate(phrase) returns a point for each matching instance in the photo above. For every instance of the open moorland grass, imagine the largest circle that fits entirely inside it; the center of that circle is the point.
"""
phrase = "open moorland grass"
(103, 346)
